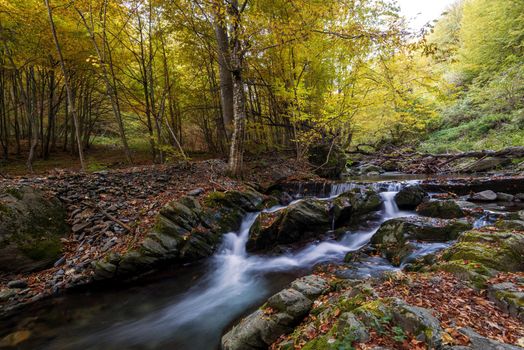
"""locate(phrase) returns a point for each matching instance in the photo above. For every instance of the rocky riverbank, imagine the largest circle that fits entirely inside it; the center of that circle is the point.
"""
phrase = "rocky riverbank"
(103, 217)
(466, 295)
(464, 247)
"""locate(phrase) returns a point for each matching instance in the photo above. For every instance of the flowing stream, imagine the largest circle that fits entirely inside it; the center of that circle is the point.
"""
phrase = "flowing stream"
(192, 310)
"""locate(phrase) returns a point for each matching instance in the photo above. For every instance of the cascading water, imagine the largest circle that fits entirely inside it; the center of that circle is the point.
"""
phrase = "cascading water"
(234, 282)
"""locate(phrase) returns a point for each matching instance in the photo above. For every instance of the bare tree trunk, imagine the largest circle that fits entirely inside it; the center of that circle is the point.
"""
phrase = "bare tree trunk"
(236, 153)
(226, 78)
(68, 88)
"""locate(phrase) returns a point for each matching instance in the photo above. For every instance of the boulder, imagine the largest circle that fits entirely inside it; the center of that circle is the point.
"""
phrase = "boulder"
(393, 237)
(505, 197)
(329, 160)
(276, 317)
(368, 169)
(418, 321)
(185, 231)
(350, 205)
(484, 196)
(410, 197)
(297, 222)
(448, 209)
(479, 342)
(31, 226)
(501, 251)
(517, 225)
(508, 297)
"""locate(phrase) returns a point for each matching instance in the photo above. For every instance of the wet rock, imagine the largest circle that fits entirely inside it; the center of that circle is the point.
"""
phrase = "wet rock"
(448, 209)
(17, 284)
(351, 205)
(484, 196)
(393, 237)
(297, 222)
(278, 316)
(31, 225)
(410, 197)
(501, 251)
(184, 231)
(509, 298)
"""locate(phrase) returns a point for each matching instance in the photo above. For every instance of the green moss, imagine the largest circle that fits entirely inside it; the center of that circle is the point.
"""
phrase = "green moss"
(475, 273)
(214, 199)
(42, 249)
(14, 192)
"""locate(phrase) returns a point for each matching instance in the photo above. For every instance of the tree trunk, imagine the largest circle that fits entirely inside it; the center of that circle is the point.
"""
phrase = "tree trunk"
(68, 88)
(226, 78)
(236, 153)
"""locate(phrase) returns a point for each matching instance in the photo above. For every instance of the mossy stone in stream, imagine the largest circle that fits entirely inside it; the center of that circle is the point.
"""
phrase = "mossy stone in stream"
(448, 209)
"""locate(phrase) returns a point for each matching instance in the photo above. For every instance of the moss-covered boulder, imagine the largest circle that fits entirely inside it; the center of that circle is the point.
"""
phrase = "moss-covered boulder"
(185, 230)
(447, 209)
(351, 205)
(501, 251)
(31, 225)
(393, 237)
(410, 197)
(295, 223)
(509, 297)
(277, 316)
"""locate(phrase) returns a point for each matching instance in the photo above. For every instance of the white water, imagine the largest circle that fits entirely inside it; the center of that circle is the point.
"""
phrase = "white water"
(235, 281)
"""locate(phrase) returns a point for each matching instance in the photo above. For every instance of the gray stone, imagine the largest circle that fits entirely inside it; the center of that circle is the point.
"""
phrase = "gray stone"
(283, 311)
(487, 164)
(417, 321)
(196, 192)
(31, 225)
(6, 294)
(505, 197)
(484, 196)
(479, 342)
(440, 209)
(410, 197)
(349, 324)
(17, 284)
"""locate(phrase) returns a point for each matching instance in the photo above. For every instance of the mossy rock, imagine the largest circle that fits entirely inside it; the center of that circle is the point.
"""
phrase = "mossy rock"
(31, 225)
(295, 223)
(500, 258)
(394, 236)
(474, 273)
(410, 197)
(448, 209)
(351, 205)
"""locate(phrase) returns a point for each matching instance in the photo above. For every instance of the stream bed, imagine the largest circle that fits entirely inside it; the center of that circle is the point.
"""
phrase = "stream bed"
(190, 307)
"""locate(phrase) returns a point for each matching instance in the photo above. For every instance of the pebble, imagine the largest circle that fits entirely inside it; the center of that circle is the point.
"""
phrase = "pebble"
(18, 284)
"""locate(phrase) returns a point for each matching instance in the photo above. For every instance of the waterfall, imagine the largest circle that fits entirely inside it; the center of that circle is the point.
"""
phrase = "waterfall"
(390, 206)
(235, 280)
